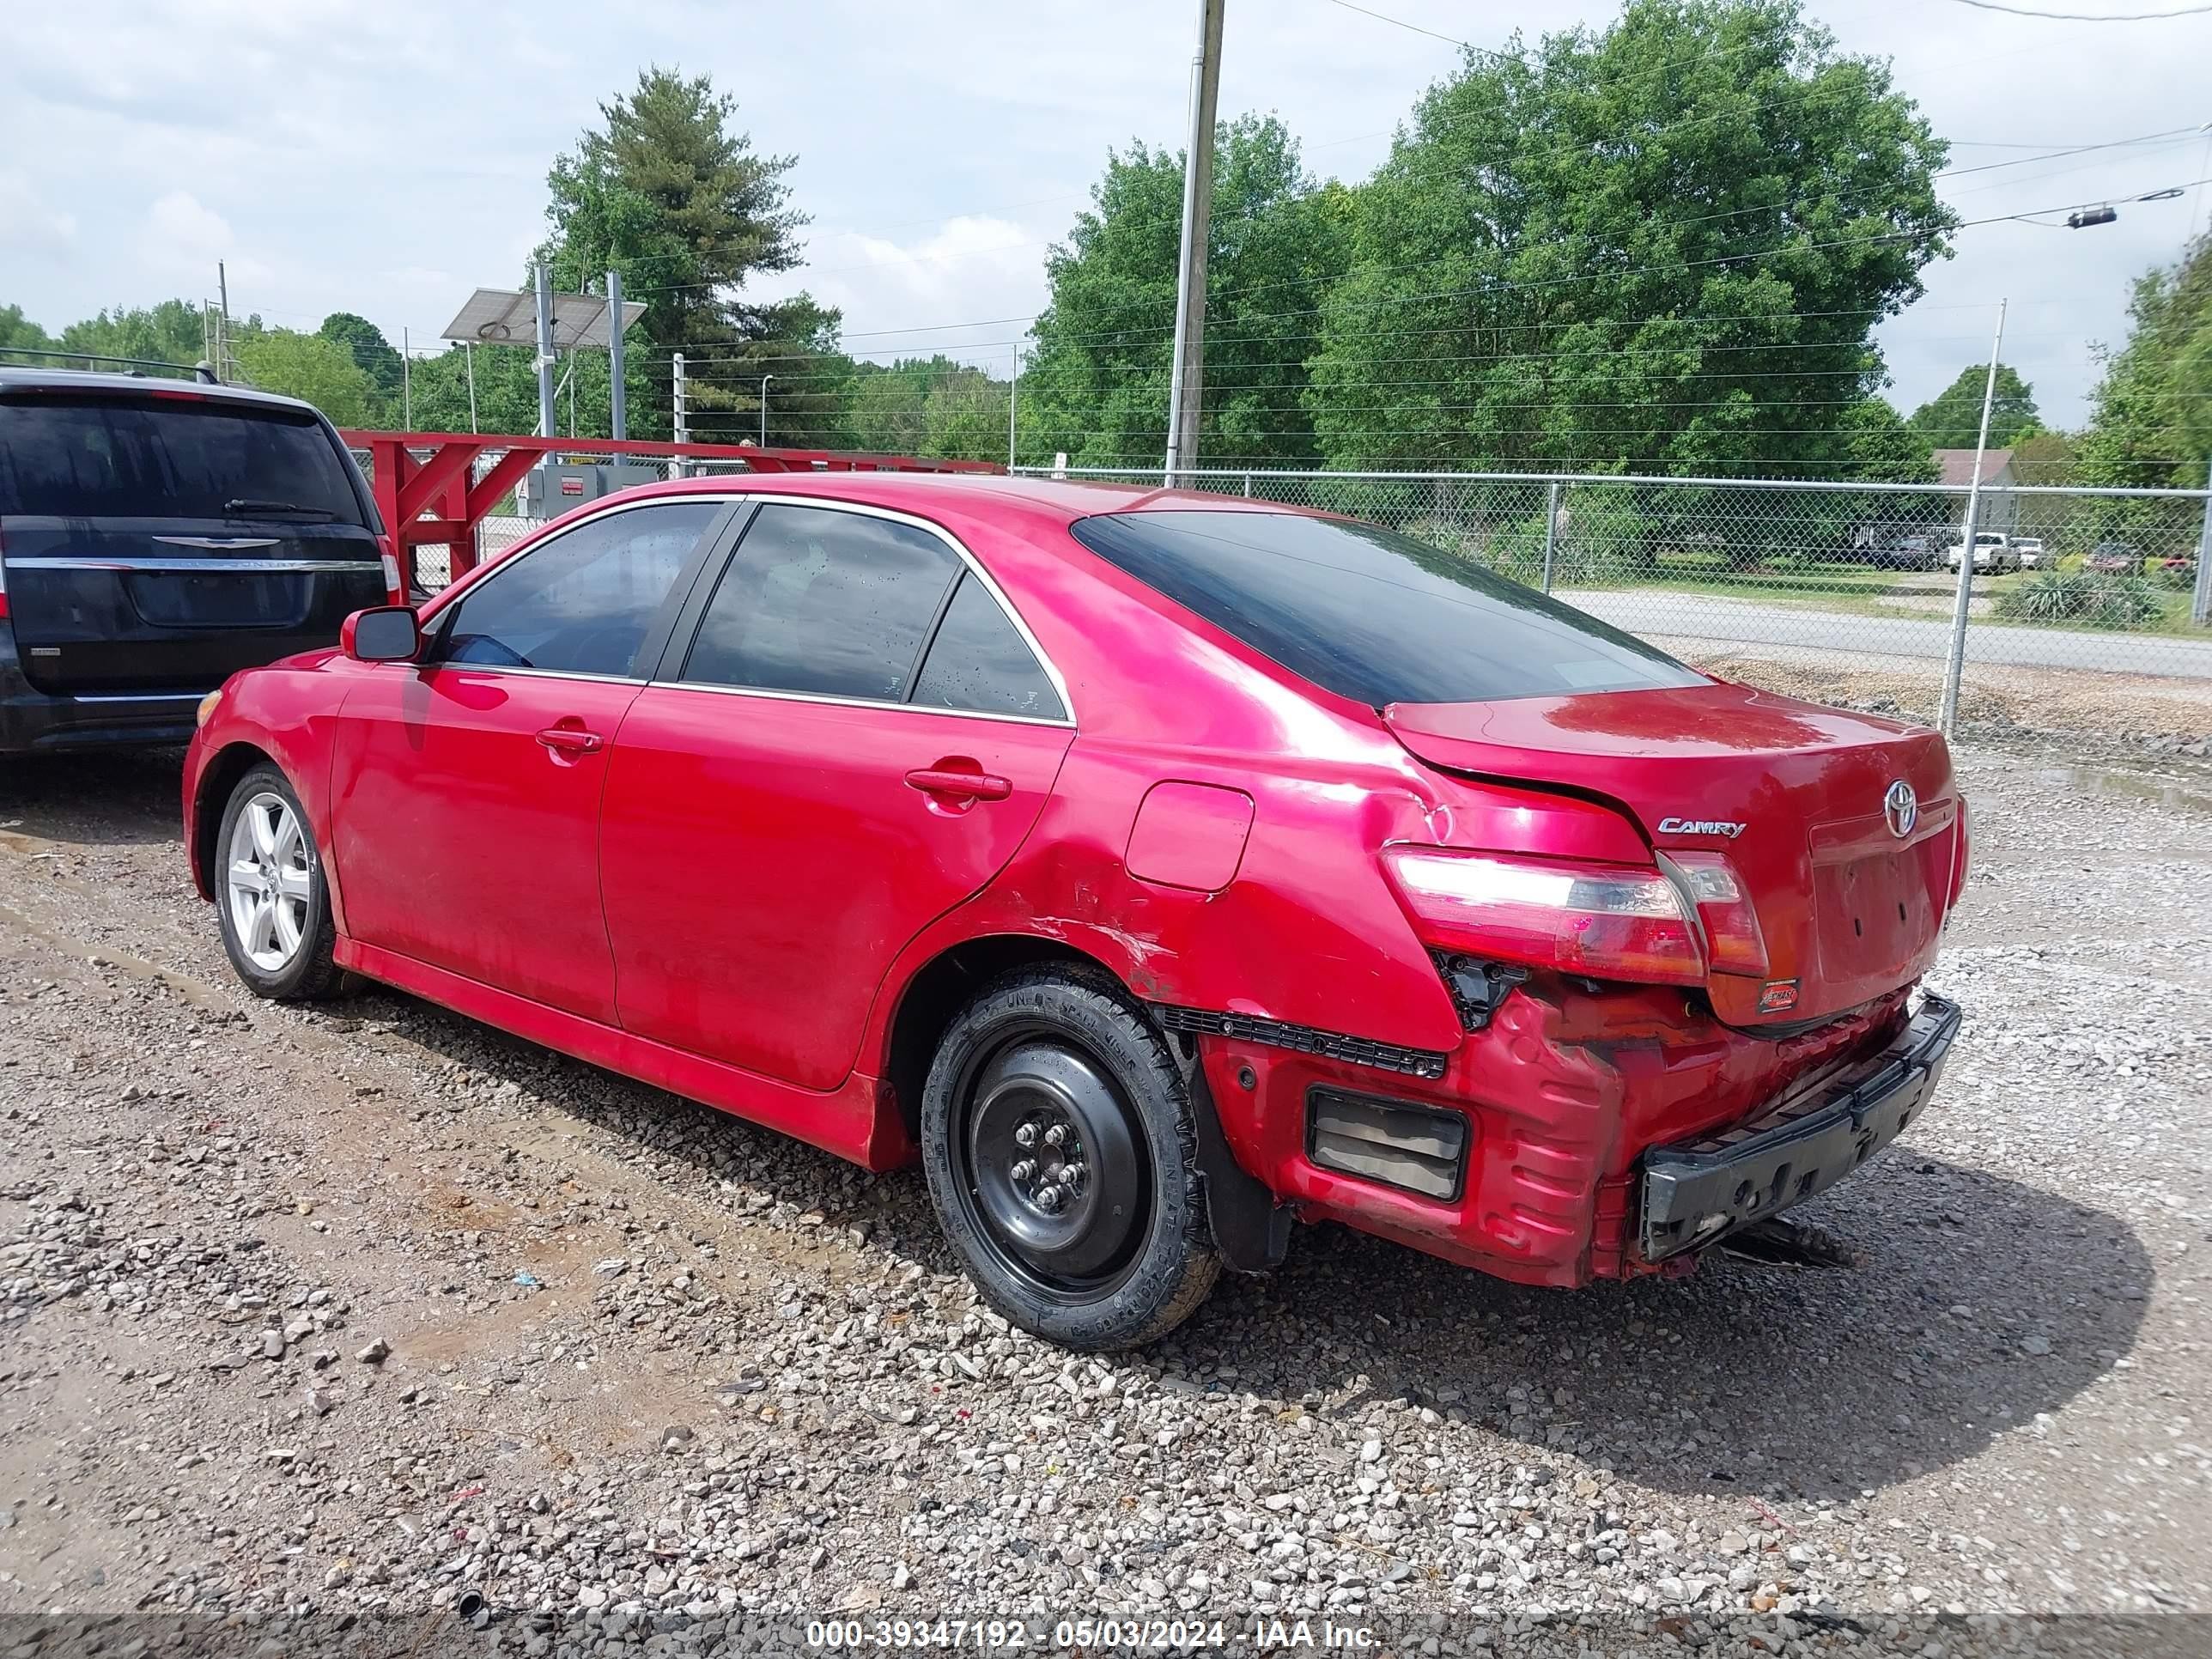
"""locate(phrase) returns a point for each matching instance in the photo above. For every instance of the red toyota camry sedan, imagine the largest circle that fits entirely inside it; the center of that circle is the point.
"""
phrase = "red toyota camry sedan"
(1156, 868)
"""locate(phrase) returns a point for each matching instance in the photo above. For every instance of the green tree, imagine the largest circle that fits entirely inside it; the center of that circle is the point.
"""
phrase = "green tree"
(1096, 385)
(2151, 415)
(173, 331)
(374, 354)
(18, 333)
(1952, 418)
(314, 367)
(667, 190)
(1662, 247)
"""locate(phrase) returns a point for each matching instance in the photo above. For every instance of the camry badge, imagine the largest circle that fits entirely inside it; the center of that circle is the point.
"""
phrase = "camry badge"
(1701, 827)
(1901, 808)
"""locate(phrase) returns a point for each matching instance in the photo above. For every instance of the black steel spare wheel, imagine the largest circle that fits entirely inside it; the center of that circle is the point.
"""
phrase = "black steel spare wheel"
(1059, 1135)
(1054, 1166)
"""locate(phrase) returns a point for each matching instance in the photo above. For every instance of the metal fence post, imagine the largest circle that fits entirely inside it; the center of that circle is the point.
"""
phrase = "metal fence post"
(1954, 667)
(679, 412)
(1551, 528)
(1248, 484)
(2200, 598)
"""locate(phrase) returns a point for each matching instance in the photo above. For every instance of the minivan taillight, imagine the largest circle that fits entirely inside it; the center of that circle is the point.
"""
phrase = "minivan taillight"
(395, 591)
(1605, 922)
(1962, 850)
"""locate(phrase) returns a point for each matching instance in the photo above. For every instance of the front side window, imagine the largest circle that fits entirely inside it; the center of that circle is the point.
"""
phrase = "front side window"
(583, 602)
(1372, 615)
(824, 602)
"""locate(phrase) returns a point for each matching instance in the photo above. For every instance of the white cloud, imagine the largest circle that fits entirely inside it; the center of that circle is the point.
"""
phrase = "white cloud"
(27, 224)
(974, 267)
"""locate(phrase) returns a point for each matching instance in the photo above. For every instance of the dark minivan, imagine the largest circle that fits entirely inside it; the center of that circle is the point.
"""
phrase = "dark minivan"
(156, 537)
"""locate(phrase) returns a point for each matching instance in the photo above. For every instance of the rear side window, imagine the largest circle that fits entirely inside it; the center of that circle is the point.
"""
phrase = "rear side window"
(1372, 615)
(978, 661)
(824, 603)
(584, 601)
(79, 458)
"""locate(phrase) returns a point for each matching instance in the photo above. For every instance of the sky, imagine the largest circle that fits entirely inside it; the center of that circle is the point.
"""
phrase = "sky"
(387, 158)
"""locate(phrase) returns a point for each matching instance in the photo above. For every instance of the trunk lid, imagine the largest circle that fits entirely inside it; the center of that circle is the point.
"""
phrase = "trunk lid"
(1795, 795)
(156, 542)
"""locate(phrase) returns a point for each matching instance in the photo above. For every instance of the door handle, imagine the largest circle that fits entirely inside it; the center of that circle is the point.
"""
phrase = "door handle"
(570, 739)
(959, 783)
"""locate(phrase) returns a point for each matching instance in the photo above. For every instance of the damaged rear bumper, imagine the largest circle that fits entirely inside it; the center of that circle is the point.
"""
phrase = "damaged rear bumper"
(1695, 1192)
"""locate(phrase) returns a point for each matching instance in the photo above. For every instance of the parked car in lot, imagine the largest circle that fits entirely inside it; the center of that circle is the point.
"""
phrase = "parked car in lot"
(1155, 868)
(156, 537)
(2114, 559)
(2028, 553)
(1993, 553)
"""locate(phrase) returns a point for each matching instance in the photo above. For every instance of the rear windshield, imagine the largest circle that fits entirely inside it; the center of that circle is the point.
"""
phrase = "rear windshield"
(1372, 615)
(81, 457)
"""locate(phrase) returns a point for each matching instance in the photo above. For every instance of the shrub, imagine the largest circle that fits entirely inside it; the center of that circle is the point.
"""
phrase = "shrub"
(2082, 596)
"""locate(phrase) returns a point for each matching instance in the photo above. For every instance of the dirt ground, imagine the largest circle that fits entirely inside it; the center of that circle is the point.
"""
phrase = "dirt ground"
(369, 1309)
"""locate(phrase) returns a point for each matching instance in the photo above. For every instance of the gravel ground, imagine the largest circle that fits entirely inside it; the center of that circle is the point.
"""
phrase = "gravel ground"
(373, 1313)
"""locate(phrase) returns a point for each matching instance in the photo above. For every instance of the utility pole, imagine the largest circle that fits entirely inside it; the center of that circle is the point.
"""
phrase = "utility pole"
(406, 383)
(765, 379)
(1956, 666)
(617, 398)
(1013, 392)
(544, 351)
(1187, 389)
(469, 361)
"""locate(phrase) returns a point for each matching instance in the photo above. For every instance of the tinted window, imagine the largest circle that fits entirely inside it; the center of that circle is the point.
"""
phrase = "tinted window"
(583, 602)
(75, 458)
(1372, 615)
(979, 661)
(835, 603)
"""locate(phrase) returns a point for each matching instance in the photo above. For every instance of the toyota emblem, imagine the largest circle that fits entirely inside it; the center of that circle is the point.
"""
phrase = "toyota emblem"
(1901, 807)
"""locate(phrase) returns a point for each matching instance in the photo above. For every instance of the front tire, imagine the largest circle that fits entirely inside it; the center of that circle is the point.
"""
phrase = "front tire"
(271, 894)
(1061, 1147)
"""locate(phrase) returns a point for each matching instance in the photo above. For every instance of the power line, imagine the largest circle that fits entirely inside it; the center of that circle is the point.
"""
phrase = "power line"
(2084, 16)
(1399, 23)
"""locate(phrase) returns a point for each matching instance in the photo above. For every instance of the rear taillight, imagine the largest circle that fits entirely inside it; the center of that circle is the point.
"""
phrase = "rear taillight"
(1605, 921)
(4, 584)
(1962, 848)
(1734, 944)
(394, 592)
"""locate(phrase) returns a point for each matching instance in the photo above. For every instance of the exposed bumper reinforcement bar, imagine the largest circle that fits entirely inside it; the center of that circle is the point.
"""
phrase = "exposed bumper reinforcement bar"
(1700, 1191)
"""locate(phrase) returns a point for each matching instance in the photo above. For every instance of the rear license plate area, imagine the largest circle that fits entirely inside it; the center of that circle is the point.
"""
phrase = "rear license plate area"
(1873, 913)
(177, 599)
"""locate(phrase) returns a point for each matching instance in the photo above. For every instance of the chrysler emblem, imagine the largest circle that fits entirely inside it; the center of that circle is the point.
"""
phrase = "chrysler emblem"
(1901, 807)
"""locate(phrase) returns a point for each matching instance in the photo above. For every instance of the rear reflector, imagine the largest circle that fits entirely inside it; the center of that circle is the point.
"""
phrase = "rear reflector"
(1605, 921)
(1399, 1144)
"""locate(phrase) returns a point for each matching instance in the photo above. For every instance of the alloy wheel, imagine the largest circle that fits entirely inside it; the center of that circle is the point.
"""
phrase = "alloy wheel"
(269, 882)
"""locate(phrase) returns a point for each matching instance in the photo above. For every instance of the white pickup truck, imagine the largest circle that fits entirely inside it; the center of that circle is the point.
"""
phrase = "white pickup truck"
(1993, 553)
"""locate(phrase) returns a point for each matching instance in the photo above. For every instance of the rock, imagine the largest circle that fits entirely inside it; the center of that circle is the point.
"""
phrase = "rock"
(272, 1345)
(375, 1353)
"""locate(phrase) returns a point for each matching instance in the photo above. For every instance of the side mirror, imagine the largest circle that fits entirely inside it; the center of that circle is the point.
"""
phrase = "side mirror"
(390, 632)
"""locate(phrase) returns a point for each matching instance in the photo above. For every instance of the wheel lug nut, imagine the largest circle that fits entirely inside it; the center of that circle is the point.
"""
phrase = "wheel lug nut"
(1055, 1134)
(1048, 1198)
(1025, 1135)
(1022, 1170)
(1072, 1176)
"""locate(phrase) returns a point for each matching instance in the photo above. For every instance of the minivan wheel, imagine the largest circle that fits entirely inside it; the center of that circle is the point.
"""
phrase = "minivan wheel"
(269, 892)
(1058, 1138)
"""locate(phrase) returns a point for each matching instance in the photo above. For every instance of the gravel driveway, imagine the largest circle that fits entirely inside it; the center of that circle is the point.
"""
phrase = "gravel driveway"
(374, 1310)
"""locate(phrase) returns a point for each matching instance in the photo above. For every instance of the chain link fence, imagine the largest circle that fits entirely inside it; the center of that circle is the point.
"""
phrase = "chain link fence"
(2083, 621)
(2083, 631)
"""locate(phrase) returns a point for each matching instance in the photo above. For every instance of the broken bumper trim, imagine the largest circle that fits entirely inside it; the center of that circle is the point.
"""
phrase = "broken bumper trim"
(1700, 1191)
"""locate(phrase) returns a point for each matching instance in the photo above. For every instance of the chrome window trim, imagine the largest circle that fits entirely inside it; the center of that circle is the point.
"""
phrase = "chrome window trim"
(974, 566)
(859, 702)
(233, 567)
(508, 561)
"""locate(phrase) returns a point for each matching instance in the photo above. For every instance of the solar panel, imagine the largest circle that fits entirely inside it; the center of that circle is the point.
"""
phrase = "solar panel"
(500, 316)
